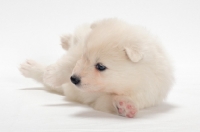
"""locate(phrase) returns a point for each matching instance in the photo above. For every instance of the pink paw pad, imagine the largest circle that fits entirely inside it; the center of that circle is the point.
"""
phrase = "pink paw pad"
(121, 103)
(125, 108)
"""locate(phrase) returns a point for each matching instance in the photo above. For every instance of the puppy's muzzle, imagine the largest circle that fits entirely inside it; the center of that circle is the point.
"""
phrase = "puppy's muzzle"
(75, 79)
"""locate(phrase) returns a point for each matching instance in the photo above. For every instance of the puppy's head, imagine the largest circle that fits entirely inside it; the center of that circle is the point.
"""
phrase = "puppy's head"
(110, 59)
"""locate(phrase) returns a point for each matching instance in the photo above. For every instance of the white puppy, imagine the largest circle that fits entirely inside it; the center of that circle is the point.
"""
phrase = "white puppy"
(112, 66)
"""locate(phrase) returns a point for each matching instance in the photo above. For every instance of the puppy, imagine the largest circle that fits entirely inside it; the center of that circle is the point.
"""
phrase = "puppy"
(111, 66)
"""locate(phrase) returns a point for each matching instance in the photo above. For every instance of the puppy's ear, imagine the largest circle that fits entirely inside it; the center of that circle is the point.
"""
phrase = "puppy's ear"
(133, 54)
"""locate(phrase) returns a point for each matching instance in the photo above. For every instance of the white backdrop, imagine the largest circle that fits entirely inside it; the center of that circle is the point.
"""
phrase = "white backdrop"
(31, 29)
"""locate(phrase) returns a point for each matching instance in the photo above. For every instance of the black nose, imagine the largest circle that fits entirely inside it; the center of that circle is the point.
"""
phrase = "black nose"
(75, 79)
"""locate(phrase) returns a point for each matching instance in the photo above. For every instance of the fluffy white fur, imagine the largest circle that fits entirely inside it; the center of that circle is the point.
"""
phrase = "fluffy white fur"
(138, 73)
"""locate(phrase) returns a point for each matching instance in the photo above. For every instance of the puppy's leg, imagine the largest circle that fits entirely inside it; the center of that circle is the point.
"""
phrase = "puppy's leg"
(54, 76)
(103, 102)
(34, 70)
(59, 73)
(124, 106)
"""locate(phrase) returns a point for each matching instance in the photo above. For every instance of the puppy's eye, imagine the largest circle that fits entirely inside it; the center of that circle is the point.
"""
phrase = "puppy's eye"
(100, 67)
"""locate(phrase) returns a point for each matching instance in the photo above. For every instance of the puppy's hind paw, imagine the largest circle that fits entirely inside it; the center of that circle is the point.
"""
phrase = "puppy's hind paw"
(124, 107)
(66, 41)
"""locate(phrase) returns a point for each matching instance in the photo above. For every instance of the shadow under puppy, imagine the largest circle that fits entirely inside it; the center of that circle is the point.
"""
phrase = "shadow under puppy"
(110, 65)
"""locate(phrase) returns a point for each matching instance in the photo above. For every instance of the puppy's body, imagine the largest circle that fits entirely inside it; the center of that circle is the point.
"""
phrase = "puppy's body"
(115, 67)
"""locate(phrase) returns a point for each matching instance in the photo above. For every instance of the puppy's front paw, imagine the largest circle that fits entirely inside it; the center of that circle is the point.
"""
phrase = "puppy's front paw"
(124, 107)
(31, 69)
(52, 76)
